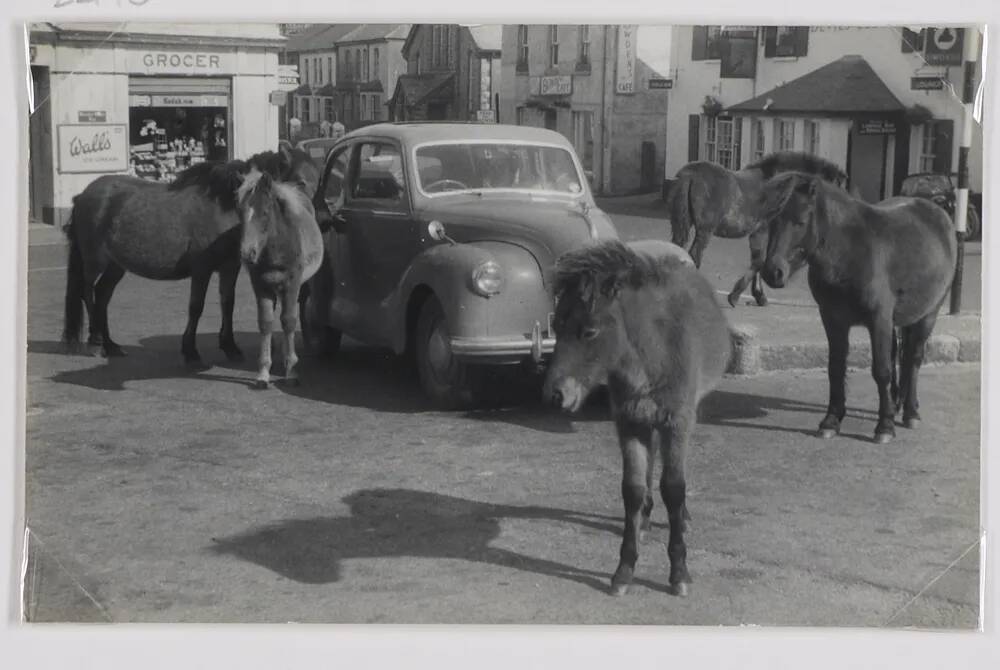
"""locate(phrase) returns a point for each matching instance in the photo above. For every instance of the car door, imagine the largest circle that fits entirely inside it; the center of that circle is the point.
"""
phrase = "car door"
(335, 286)
(379, 235)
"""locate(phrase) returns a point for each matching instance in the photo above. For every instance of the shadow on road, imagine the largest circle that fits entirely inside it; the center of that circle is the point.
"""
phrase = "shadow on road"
(389, 523)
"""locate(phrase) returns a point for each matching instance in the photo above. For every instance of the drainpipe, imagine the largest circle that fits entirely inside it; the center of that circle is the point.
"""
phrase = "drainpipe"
(607, 100)
(971, 47)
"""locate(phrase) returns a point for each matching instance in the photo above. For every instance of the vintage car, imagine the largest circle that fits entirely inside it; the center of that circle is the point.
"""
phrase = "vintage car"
(440, 241)
(317, 148)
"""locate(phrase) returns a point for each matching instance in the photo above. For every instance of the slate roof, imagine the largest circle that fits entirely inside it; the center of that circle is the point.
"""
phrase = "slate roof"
(845, 86)
(417, 87)
(319, 36)
(488, 37)
(367, 32)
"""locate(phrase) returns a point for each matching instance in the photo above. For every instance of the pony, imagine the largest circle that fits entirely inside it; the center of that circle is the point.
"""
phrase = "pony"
(186, 229)
(883, 266)
(648, 325)
(281, 247)
(717, 201)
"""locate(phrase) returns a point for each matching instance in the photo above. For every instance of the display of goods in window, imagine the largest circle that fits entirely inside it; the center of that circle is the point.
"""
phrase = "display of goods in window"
(162, 158)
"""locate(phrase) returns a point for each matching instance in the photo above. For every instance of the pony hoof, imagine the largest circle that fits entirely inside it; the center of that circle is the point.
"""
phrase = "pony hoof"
(618, 590)
(233, 355)
(680, 590)
(261, 385)
(114, 351)
(911, 421)
(762, 301)
(826, 433)
(733, 300)
(883, 438)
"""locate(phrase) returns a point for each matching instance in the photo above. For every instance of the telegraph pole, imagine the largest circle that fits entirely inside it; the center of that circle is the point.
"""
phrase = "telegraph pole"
(970, 51)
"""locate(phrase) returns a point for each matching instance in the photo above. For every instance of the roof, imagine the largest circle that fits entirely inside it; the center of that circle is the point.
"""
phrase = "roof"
(367, 32)
(319, 36)
(434, 132)
(326, 90)
(417, 87)
(487, 37)
(847, 85)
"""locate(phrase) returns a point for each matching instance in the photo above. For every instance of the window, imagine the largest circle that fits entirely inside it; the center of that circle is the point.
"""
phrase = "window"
(505, 165)
(440, 45)
(784, 135)
(710, 137)
(583, 57)
(723, 136)
(786, 41)
(304, 110)
(553, 46)
(811, 132)
(364, 107)
(583, 140)
(328, 109)
(375, 64)
(379, 173)
(376, 108)
(522, 116)
(329, 70)
(522, 49)
(365, 70)
(706, 43)
(348, 72)
(757, 139)
(357, 65)
(446, 49)
(485, 83)
(333, 191)
(927, 142)
(417, 58)
(319, 70)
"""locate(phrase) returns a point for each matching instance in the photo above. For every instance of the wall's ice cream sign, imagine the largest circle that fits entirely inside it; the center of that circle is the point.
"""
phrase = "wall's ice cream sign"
(93, 148)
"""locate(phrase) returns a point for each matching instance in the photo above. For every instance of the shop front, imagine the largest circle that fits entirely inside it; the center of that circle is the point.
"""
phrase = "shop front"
(152, 105)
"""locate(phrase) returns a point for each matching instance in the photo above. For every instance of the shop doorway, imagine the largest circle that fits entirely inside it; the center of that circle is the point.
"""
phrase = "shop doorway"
(866, 164)
(551, 118)
(176, 123)
(40, 186)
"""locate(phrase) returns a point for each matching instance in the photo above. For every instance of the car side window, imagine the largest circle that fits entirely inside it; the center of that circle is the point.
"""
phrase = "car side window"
(379, 174)
(337, 178)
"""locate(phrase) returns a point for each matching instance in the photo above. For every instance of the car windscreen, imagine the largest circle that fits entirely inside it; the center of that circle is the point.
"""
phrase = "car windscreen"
(455, 167)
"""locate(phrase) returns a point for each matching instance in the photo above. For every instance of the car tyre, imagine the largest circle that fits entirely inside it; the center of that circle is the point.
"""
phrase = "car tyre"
(447, 381)
(973, 226)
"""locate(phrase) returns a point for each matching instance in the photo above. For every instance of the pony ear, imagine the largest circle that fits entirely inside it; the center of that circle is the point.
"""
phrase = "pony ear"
(807, 187)
(264, 182)
(611, 285)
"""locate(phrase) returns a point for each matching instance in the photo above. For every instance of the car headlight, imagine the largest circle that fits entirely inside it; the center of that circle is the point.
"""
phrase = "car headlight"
(487, 278)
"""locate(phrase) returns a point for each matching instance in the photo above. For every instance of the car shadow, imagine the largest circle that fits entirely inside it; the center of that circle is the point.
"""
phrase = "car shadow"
(398, 523)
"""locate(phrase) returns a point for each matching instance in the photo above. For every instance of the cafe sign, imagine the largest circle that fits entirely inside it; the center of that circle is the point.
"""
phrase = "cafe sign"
(93, 148)
(556, 85)
(180, 62)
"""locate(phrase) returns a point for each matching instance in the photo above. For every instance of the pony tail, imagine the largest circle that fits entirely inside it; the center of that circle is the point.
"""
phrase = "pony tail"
(680, 211)
(73, 316)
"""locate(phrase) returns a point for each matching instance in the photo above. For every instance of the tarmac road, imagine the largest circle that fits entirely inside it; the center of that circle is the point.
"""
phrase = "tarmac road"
(155, 494)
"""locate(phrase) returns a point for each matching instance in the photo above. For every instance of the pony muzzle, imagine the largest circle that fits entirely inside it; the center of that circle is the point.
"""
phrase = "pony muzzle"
(567, 394)
(775, 273)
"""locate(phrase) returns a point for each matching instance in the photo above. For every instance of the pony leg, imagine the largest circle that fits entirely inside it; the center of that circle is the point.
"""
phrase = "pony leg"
(837, 339)
(196, 303)
(228, 274)
(103, 291)
(914, 341)
(635, 441)
(881, 338)
(95, 340)
(265, 324)
(673, 488)
(701, 239)
(647, 505)
(289, 324)
(73, 314)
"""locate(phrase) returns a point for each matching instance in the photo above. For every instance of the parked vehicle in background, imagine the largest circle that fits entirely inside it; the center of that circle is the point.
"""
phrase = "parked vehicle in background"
(442, 242)
(940, 188)
(317, 148)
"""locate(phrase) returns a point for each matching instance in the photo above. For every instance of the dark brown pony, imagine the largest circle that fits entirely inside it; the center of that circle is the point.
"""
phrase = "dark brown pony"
(189, 228)
(281, 247)
(882, 266)
(650, 327)
(717, 201)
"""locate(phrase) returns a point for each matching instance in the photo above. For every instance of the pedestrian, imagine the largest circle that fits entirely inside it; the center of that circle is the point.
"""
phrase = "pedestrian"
(294, 129)
(337, 130)
(325, 128)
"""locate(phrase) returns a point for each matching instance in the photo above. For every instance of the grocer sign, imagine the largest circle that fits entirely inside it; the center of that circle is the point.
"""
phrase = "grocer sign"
(93, 147)
(180, 62)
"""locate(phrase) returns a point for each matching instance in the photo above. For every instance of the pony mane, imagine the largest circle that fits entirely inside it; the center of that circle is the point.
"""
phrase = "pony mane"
(799, 161)
(291, 198)
(609, 264)
(216, 179)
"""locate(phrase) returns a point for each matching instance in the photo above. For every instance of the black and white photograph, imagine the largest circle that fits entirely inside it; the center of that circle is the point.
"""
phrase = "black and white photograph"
(449, 323)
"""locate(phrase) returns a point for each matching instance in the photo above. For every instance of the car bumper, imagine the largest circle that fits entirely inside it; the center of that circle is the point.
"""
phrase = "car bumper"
(499, 350)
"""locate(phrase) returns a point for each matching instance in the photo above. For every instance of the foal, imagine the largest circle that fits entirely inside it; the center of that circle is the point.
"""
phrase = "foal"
(281, 247)
(648, 325)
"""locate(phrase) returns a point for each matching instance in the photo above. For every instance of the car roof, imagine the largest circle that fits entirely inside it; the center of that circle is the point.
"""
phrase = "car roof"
(430, 132)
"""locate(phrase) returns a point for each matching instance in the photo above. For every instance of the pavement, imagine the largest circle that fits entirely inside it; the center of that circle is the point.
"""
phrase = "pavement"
(787, 334)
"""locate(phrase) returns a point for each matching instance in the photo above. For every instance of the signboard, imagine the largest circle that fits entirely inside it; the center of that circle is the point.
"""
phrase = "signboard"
(486, 116)
(93, 148)
(189, 101)
(140, 101)
(278, 98)
(556, 85)
(661, 83)
(92, 117)
(180, 62)
(926, 83)
(876, 127)
(288, 77)
(943, 46)
(625, 75)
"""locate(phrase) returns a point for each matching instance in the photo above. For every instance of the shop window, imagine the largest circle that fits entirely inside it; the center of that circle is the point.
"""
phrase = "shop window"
(553, 46)
(786, 41)
(522, 49)
(165, 139)
(379, 173)
(811, 137)
(583, 55)
(706, 43)
(757, 139)
(784, 135)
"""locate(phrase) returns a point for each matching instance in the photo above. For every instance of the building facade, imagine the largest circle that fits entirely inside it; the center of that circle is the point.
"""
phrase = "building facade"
(370, 60)
(313, 50)
(452, 73)
(145, 99)
(603, 87)
(881, 102)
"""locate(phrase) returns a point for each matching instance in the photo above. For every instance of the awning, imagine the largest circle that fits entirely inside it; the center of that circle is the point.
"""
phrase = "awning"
(416, 88)
(843, 87)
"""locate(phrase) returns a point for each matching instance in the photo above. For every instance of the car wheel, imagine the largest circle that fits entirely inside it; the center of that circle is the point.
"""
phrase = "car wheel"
(444, 378)
(972, 224)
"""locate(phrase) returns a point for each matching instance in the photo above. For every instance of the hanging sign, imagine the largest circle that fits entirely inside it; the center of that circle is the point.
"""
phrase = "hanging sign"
(926, 83)
(288, 77)
(661, 83)
(278, 98)
(943, 46)
(93, 148)
(625, 76)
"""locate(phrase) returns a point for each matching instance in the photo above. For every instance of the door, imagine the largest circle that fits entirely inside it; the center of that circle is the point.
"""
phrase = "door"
(551, 119)
(379, 238)
(866, 167)
(437, 111)
(40, 188)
